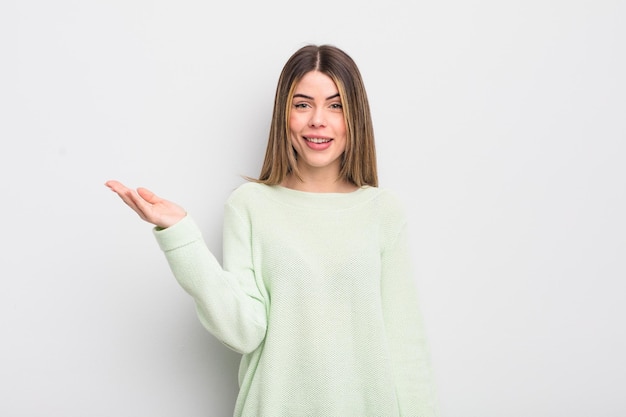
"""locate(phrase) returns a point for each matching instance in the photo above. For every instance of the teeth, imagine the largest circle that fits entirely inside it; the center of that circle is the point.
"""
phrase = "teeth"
(318, 140)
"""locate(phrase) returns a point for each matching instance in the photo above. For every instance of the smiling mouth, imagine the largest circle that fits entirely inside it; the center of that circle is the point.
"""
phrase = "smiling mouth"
(317, 140)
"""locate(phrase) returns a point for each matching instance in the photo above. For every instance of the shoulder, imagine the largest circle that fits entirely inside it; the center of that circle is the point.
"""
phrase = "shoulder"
(244, 200)
(392, 215)
(389, 203)
(246, 192)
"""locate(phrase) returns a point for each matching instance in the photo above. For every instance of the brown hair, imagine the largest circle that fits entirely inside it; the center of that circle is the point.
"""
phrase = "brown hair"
(359, 160)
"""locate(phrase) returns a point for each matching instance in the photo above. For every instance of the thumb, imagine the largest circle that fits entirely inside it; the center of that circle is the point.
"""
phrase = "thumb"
(148, 195)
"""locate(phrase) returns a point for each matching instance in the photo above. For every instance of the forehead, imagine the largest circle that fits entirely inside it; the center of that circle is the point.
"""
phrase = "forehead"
(316, 81)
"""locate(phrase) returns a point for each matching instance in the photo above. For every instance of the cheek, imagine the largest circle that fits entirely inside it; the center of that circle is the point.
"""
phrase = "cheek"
(340, 125)
(343, 127)
(295, 123)
(294, 131)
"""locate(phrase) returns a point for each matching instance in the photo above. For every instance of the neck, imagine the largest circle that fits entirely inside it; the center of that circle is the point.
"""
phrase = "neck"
(318, 185)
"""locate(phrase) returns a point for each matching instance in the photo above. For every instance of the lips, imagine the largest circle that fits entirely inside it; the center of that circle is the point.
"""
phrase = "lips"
(317, 140)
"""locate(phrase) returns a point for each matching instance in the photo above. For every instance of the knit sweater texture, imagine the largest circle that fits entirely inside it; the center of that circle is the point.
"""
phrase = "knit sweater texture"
(317, 292)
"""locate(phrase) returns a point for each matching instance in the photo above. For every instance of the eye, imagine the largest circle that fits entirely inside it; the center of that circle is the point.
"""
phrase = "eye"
(301, 105)
(336, 106)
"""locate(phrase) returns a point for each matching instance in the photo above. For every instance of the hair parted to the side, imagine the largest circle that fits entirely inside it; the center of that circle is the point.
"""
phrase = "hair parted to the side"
(359, 160)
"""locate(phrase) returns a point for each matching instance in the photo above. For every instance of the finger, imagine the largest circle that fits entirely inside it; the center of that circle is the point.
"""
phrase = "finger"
(116, 186)
(138, 203)
(148, 195)
(134, 202)
(131, 198)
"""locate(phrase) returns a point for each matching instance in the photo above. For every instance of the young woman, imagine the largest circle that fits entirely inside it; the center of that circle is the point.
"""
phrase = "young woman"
(316, 289)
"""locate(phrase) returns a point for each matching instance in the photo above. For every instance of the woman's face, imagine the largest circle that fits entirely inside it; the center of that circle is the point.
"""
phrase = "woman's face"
(317, 126)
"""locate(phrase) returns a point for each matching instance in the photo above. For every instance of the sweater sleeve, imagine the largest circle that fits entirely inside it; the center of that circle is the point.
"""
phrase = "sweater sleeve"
(227, 300)
(405, 332)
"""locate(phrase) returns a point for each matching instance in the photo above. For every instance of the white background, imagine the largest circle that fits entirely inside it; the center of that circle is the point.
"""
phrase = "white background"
(500, 123)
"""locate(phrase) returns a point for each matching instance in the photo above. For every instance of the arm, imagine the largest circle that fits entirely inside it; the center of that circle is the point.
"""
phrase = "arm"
(405, 332)
(227, 301)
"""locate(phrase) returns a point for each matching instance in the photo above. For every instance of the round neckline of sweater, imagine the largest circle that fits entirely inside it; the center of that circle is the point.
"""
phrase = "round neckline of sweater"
(331, 201)
(315, 193)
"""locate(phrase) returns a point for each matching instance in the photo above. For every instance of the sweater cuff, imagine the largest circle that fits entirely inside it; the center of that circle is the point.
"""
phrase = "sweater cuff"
(178, 235)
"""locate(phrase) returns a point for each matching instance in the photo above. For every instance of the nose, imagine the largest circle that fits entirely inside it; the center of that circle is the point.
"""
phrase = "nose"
(317, 118)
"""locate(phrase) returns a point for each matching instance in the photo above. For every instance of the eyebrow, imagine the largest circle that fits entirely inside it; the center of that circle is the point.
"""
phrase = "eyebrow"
(311, 98)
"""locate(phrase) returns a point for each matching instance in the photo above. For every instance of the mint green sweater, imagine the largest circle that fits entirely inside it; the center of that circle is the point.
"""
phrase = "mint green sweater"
(316, 291)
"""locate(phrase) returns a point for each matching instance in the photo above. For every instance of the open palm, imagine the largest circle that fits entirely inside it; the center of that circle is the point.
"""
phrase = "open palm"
(148, 206)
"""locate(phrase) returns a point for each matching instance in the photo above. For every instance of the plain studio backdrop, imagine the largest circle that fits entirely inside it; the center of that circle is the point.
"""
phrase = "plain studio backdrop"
(501, 124)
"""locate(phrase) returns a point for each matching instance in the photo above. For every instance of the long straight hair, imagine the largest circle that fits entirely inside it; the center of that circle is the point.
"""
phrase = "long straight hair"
(358, 165)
